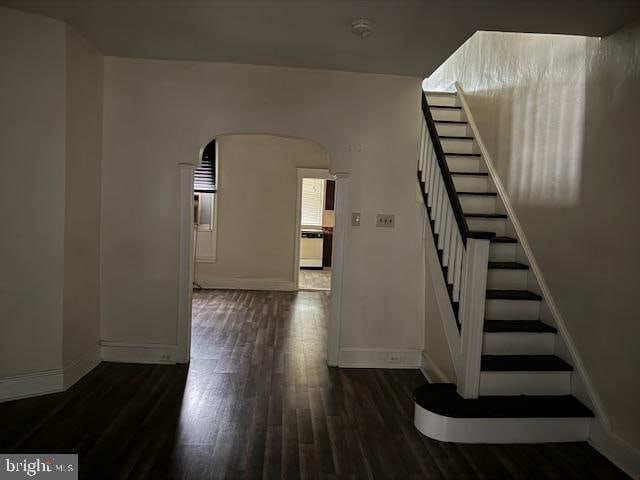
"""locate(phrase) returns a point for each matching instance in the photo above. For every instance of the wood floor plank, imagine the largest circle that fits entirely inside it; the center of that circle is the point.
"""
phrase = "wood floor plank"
(259, 401)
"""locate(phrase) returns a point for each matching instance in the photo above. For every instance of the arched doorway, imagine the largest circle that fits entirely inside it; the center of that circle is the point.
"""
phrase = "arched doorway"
(250, 167)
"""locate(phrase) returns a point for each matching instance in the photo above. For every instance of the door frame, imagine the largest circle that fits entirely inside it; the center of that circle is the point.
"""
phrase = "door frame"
(323, 174)
(185, 257)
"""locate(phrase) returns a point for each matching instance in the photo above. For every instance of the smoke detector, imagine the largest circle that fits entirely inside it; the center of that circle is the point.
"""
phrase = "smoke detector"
(361, 27)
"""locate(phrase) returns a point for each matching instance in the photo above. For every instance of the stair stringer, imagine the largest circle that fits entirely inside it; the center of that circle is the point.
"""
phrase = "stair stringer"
(581, 385)
(443, 301)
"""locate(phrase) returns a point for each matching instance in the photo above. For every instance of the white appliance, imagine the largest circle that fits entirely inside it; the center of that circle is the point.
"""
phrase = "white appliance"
(311, 248)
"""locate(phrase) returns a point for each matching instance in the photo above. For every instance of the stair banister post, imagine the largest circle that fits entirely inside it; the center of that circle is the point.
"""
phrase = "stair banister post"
(473, 293)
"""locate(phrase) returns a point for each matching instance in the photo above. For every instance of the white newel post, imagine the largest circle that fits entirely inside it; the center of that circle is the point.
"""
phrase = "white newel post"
(473, 293)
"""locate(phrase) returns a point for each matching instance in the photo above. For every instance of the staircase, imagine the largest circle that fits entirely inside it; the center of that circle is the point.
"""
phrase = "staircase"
(511, 384)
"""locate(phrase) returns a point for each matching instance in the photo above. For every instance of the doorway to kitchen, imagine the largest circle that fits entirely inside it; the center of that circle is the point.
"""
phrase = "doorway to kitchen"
(315, 221)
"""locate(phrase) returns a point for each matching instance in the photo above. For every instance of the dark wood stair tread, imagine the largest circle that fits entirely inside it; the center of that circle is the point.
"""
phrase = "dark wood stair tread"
(448, 107)
(470, 174)
(482, 194)
(517, 326)
(479, 234)
(442, 399)
(485, 215)
(453, 154)
(512, 295)
(455, 122)
(508, 266)
(503, 239)
(523, 363)
(453, 137)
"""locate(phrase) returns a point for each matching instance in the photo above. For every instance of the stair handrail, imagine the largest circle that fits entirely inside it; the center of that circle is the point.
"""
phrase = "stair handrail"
(458, 213)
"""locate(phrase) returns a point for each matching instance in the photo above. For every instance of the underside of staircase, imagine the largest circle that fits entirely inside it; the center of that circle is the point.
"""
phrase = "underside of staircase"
(522, 392)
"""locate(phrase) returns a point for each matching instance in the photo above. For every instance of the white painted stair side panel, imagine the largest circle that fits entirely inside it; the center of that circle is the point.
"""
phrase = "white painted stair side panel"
(463, 164)
(496, 225)
(518, 343)
(525, 383)
(458, 145)
(502, 252)
(506, 279)
(471, 183)
(478, 203)
(453, 129)
(495, 309)
(448, 114)
(443, 99)
(500, 430)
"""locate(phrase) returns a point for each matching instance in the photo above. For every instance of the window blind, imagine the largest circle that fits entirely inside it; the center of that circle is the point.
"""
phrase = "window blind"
(204, 177)
(312, 201)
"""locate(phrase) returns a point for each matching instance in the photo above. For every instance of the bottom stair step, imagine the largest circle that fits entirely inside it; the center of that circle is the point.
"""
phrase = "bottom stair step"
(442, 414)
(442, 398)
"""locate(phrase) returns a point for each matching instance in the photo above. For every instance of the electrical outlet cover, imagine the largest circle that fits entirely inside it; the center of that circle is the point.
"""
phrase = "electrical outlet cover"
(385, 220)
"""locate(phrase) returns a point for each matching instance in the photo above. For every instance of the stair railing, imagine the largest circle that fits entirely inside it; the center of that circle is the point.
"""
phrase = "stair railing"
(463, 254)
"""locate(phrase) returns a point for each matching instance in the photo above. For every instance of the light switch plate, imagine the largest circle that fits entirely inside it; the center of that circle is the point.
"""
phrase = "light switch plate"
(385, 220)
(355, 219)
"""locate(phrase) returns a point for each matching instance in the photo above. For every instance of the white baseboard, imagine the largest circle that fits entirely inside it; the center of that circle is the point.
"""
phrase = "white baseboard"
(231, 283)
(431, 371)
(48, 381)
(137, 352)
(615, 449)
(382, 358)
(31, 384)
(79, 368)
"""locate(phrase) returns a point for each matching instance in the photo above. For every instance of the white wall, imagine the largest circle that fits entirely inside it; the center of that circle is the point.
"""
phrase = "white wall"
(50, 148)
(81, 308)
(256, 201)
(32, 179)
(160, 113)
(559, 116)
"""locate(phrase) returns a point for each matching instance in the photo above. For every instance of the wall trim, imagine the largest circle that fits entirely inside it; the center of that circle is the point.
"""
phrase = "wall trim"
(342, 224)
(138, 352)
(80, 367)
(378, 358)
(35, 384)
(186, 259)
(431, 371)
(31, 384)
(533, 264)
(618, 451)
(246, 283)
(322, 173)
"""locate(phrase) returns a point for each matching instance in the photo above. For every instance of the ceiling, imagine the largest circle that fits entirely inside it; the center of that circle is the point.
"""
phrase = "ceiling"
(410, 37)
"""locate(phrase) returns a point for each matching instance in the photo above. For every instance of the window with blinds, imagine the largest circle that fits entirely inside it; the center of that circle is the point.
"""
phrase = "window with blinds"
(204, 177)
(312, 201)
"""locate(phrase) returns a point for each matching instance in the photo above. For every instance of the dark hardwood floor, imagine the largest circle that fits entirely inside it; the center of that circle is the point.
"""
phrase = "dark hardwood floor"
(258, 401)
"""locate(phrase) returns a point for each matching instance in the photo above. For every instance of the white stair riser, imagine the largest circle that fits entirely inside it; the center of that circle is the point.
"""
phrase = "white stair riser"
(471, 183)
(516, 343)
(462, 145)
(436, 99)
(525, 383)
(497, 225)
(451, 114)
(501, 430)
(502, 252)
(463, 164)
(453, 129)
(506, 279)
(478, 204)
(512, 309)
